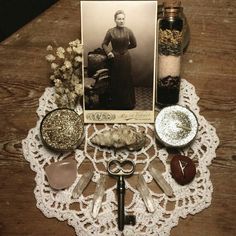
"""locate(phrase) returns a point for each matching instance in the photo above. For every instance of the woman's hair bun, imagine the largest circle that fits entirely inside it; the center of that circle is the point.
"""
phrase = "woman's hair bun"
(118, 12)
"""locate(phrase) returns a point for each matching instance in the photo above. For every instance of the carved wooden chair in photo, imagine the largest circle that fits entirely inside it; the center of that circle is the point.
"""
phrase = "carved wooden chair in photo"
(96, 81)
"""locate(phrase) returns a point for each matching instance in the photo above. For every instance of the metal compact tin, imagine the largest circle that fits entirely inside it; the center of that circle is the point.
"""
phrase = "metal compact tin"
(62, 129)
(176, 126)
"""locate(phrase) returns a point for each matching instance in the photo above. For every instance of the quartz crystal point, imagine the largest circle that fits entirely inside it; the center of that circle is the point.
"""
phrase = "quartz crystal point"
(145, 193)
(157, 175)
(98, 195)
(81, 185)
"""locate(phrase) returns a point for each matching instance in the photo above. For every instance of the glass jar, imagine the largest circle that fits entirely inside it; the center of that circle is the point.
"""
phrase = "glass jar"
(170, 49)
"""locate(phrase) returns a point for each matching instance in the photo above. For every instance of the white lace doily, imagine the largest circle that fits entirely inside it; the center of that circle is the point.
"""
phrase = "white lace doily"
(188, 199)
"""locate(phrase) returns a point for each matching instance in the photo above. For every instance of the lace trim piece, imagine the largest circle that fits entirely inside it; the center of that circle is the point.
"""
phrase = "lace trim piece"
(189, 199)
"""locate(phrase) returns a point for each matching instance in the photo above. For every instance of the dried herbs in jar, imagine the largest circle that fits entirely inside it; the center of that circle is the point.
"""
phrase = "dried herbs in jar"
(169, 54)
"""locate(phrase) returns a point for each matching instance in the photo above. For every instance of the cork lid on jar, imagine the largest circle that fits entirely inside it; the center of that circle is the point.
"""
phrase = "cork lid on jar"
(171, 3)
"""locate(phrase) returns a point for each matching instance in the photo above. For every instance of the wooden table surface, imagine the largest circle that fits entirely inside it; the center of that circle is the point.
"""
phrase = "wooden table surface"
(209, 64)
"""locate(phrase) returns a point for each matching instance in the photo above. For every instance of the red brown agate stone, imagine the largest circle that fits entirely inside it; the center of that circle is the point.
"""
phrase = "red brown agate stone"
(183, 169)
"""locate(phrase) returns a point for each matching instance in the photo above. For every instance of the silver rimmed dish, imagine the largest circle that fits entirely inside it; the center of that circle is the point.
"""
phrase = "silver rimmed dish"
(176, 126)
(62, 129)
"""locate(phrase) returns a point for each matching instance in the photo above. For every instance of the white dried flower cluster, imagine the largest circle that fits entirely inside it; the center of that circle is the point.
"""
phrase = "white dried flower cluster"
(67, 73)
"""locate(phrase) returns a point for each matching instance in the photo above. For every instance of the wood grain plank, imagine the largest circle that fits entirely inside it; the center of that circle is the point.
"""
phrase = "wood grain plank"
(209, 65)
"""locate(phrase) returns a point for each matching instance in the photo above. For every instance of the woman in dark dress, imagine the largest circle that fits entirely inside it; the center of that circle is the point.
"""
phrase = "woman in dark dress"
(122, 39)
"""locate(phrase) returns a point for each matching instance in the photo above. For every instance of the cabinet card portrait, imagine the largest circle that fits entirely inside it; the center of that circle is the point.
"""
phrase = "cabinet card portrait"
(119, 40)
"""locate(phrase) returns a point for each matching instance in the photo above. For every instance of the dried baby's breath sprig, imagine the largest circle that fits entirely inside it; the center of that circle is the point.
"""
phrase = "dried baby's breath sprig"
(50, 57)
(66, 65)
(49, 48)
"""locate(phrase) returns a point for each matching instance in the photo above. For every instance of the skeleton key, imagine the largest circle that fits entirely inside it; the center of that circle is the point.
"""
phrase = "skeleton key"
(120, 170)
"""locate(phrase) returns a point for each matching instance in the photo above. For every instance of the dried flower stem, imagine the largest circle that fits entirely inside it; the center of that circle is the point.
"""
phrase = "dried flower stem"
(66, 65)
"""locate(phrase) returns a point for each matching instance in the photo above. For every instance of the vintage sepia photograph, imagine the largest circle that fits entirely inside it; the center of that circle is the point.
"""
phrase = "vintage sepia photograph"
(119, 40)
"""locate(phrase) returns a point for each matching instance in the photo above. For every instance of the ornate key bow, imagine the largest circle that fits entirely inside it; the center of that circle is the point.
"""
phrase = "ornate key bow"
(120, 169)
